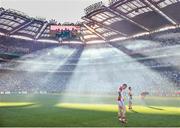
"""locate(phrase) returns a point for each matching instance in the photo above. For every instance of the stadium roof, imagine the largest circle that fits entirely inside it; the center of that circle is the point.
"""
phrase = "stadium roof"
(121, 19)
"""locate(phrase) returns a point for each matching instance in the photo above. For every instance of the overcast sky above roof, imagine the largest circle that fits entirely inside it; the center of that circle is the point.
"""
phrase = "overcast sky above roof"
(60, 10)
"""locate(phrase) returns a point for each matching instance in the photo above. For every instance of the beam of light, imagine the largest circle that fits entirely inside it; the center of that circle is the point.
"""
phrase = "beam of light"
(15, 104)
(107, 54)
(114, 108)
(97, 107)
(139, 44)
(90, 79)
(45, 60)
(37, 69)
(54, 58)
(167, 55)
(105, 79)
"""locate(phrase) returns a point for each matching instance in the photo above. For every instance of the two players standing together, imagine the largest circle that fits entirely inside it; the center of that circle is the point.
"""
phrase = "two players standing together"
(121, 104)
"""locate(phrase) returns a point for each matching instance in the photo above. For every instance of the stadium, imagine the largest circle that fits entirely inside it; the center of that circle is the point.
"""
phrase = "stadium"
(70, 74)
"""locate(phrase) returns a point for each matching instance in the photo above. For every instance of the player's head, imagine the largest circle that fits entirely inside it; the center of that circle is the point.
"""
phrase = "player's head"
(129, 88)
(124, 86)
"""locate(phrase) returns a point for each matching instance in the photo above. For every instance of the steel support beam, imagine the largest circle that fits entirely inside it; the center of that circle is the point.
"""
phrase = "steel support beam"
(41, 30)
(118, 13)
(93, 31)
(104, 26)
(20, 27)
(156, 9)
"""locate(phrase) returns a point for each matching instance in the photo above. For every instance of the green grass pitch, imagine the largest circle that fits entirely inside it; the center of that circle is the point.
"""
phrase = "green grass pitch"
(82, 111)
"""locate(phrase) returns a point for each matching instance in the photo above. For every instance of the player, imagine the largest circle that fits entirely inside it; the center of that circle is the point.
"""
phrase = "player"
(130, 97)
(121, 104)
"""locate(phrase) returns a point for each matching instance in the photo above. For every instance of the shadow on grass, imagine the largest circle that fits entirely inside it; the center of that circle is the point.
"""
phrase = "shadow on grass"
(155, 108)
(133, 111)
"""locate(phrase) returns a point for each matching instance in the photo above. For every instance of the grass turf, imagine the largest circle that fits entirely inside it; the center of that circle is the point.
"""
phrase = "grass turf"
(55, 110)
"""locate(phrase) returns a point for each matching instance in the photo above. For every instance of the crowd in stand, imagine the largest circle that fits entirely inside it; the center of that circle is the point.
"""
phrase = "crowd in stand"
(20, 46)
(12, 80)
(162, 37)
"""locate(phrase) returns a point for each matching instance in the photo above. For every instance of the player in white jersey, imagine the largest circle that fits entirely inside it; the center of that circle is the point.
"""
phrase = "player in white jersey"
(121, 104)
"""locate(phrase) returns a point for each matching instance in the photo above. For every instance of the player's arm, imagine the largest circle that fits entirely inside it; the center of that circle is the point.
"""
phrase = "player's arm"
(119, 94)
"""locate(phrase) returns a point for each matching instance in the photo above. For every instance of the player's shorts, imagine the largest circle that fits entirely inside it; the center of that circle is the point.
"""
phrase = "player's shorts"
(121, 103)
(130, 100)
